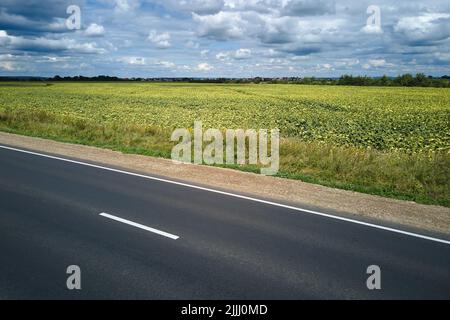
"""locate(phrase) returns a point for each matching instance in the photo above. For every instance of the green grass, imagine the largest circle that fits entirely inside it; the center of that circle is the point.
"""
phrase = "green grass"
(392, 142)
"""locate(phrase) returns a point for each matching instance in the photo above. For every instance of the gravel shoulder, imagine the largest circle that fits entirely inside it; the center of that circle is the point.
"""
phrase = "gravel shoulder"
(426, 217)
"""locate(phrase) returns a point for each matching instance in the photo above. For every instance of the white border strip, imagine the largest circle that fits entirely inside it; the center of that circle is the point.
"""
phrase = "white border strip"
(416, 235)
(140, 226)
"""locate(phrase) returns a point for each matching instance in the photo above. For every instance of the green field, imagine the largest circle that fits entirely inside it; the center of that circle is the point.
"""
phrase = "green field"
(388, 141)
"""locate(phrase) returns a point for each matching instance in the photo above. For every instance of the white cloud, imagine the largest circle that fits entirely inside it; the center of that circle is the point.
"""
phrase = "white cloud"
(346, 62)
(222, 56)
(185, 68)
(167, 64)
(141, 61)
(132, 60)
(285, 30)
(239, 54)
(94, 30)
(221, 26)
(54, 59)
(243, 54)
(246, 5)
(123, 6)
(7, 66)
(204, 53)
(372, 29)
(441, 56)
(204, 67)
(192, 44)
(272, 53)
(377, 62)
(161, 41)
(9, 62)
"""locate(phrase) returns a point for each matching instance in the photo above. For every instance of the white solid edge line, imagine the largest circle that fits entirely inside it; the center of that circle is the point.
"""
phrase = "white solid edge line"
(412, 234)
(140, 226)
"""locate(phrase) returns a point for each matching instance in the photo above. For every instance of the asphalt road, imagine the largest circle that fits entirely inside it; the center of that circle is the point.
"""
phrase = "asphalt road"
(195, 244)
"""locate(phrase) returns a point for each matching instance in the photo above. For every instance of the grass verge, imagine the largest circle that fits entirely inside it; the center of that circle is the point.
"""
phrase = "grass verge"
(422, 177)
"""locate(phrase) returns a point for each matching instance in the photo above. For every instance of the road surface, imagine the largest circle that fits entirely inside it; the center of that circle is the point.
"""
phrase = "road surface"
(139, 238)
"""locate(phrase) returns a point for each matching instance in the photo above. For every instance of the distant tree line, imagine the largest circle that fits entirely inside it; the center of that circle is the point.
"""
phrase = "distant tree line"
(405, 80)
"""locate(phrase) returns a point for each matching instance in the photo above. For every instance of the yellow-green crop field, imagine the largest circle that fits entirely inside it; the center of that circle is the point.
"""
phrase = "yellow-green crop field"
(387, 141)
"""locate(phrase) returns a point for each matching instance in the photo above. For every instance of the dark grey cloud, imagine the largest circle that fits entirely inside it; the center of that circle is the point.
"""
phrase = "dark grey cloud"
(423, 30)
(301, 50)
(38, 9)
(196, 6)
(303, 8)
(35, 17)
(23, 25)
(47, 45)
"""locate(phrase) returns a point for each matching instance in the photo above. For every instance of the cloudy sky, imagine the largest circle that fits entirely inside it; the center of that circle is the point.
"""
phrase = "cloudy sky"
(229, 38)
